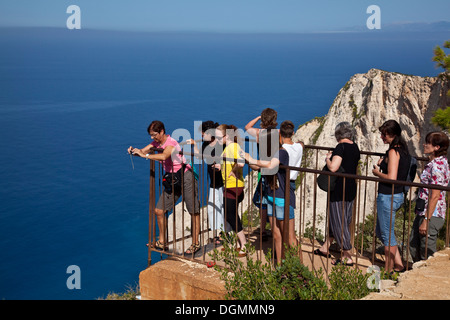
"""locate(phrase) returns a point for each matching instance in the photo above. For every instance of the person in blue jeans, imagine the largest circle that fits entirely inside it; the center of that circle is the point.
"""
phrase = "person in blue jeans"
(394, 166)
(275, 180)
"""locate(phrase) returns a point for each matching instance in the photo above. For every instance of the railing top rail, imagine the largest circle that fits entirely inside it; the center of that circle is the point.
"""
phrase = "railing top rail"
(375, 179)
(362, 152)
(307, 146)
(361, 177)
(346, 175)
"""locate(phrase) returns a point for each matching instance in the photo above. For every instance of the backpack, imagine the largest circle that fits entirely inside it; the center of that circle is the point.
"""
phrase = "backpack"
(411, 172)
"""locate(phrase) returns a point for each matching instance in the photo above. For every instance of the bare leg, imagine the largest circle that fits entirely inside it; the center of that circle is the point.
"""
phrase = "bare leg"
(392, 256)
(160, 219)
(195, 228)
(326, 245)
(346, 256)
(242, 240)
(292, 238)
(276, 234)
(398, 263)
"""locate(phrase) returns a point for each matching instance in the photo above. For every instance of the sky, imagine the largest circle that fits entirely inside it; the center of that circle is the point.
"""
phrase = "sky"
(220, 15)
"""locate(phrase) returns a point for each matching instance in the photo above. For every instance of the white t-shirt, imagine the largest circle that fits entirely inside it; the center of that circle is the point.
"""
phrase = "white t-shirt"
(295, 152)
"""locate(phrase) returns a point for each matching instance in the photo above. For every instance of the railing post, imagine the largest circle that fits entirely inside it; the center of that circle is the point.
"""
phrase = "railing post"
(151, 209)
(391, 225)
(409, 231)
(287, 198)
(447, 236)
(375, 214)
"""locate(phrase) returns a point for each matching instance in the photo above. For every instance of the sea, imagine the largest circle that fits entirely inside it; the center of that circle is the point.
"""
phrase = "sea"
(73, 101)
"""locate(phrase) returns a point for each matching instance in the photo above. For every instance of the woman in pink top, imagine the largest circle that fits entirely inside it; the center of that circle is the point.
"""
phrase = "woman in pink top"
(173, 162)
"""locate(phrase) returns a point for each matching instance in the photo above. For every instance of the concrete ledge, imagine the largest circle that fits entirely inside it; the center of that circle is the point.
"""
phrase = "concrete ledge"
(177, 279)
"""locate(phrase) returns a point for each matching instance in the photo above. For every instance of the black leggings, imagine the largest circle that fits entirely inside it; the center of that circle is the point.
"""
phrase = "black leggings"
(231, 214)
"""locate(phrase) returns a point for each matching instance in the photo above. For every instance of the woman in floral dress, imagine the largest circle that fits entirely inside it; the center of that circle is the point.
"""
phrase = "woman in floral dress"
(431, 216)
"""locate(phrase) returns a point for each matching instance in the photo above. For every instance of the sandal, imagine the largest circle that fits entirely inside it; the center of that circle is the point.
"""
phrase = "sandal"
(217, 241)
(193, 249)
(320, 253)
(242, 253)
(159, 245)
(339, 261)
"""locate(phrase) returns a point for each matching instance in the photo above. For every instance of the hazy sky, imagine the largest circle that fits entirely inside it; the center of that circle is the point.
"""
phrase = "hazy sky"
(220, 15)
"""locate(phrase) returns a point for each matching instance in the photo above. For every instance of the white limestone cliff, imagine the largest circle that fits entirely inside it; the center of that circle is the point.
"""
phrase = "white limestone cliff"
(367, 101)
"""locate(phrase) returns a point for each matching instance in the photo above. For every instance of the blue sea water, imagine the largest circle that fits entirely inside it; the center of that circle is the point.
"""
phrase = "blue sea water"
(72, 101)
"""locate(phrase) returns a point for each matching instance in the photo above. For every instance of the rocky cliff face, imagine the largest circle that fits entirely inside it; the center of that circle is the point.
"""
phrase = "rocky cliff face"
(367, 101)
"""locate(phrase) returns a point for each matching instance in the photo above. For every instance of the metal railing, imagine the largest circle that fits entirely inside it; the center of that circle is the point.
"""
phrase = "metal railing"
(311, 213)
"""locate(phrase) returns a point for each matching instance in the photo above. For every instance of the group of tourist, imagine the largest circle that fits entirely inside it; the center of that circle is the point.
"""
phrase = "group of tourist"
(221, 150)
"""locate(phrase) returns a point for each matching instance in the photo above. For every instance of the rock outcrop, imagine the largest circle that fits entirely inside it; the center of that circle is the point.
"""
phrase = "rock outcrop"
(367, 101)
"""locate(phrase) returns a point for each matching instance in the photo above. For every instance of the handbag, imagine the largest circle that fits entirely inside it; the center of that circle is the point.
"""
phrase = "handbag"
(322, 179)
(257, 196)
(172, 179)
(420, 204)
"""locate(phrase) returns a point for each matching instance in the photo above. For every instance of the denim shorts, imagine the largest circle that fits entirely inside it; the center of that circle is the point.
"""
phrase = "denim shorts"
(279, 211)
(384, 217)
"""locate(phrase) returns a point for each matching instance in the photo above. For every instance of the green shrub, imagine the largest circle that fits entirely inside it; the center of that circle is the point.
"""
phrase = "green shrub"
(290, 280)
(347, 283)
(131, 293)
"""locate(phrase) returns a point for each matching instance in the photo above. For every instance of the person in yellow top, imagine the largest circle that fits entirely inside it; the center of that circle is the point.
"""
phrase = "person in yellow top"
(232, 171)
(232, 174)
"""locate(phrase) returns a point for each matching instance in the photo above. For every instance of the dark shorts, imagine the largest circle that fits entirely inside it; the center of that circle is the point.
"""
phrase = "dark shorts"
(190, 195)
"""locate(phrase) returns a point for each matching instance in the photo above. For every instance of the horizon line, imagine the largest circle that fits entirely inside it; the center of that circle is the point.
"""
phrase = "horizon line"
(343, 30)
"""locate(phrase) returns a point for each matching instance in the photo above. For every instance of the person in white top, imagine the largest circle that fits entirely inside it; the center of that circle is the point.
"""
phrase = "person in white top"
(295, 151)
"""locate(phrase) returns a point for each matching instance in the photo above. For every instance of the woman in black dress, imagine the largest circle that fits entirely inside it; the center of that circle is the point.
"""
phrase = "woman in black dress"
(346, 155)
